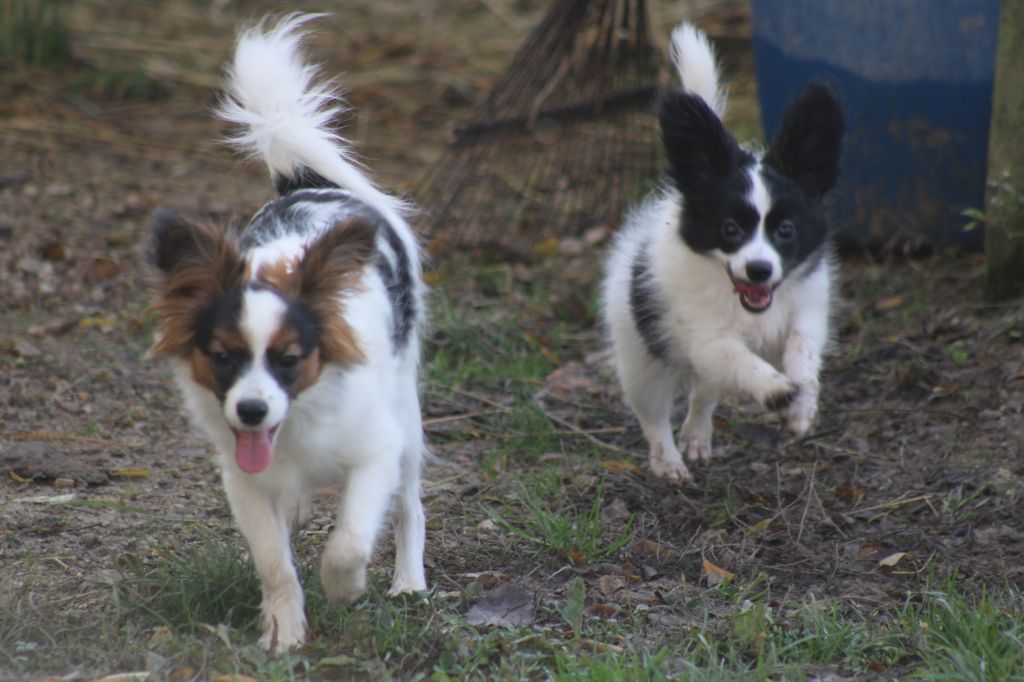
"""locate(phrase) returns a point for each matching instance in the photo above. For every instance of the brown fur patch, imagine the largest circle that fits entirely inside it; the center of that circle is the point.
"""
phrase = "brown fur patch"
(286, 342)
(199, 263)
(330, 267)
(201, 364)
(309, 372)
(279, 275)
(202, 370)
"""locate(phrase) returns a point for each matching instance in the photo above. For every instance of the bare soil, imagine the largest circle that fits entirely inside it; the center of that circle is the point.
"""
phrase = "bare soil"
(914, 472)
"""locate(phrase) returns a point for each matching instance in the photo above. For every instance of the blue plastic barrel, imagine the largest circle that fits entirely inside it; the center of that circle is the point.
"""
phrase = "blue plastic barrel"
(916, 79)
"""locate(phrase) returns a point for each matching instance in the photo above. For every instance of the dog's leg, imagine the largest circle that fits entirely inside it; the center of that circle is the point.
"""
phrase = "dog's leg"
(410, 531)
(361, 513)
(801, 360)
(695, 434)
(263, 522)
(298, 509)
(650, 388)
(735, 368)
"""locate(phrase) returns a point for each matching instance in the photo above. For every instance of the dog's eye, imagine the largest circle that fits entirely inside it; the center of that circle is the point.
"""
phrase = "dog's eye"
(288, 361)
(732, 231)
(220, 358)
(785, 231)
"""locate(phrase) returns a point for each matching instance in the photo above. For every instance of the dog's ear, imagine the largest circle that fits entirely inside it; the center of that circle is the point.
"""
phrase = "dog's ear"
(701, 152)
(177, 242)
(331, 266)
(808, 143)
(197, 263)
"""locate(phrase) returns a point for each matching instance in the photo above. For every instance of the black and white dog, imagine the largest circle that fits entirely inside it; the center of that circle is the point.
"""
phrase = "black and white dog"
(725, 276)
(296, 346)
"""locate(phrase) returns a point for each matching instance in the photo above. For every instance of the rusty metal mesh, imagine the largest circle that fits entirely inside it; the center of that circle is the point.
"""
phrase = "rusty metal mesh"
(563, 142)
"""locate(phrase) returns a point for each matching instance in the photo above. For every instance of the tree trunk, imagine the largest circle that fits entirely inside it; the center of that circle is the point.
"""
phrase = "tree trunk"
(1004, 193)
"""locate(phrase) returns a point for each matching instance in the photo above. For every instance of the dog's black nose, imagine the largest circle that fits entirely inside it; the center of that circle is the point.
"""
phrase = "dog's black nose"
(251, 412)
(759, 271)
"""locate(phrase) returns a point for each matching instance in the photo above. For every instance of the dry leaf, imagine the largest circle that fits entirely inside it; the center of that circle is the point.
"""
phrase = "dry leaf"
(570, 380)
(545, 248)
(508, 605)
(849, 493)
(105, 267)
(651, 550)
(601, 610)
(715, 575)
(761, 525)
(890, 302)
(608, 584)
(597, 234)
(104, 323)
(874, 552)
(577, 557)
(18, 479)
(128, 472)
(893, 559)
(622, 466)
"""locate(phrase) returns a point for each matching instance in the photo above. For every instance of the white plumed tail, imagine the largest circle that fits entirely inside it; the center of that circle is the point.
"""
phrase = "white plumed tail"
(694, 59)
(285, 115)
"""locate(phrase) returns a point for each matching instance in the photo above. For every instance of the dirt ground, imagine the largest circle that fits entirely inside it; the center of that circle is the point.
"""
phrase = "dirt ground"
(914, 472)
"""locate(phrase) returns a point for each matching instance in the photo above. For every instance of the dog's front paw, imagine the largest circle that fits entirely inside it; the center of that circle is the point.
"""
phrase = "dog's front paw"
(780, 394)
(697, 448)
(283, 629)
(403, 585)
(667, 463)
(801, 413)
(344, 580)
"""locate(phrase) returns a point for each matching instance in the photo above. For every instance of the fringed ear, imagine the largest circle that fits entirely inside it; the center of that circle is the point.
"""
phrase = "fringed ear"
(701, 152)
(808, 143)
(331, 266)
(196, 263)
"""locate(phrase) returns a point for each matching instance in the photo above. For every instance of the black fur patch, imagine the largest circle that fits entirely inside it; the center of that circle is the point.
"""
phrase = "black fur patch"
(399, 283)
(304, 178)
(288, 214)
(808, 143)
(647, 308)
(225, 313)
(701, 152)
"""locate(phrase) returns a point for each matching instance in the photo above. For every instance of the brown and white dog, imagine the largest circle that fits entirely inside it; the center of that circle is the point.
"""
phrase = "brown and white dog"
(296, 343)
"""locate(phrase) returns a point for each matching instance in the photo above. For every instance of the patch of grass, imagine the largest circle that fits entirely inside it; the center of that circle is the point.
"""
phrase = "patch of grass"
(33, 32)
(575, 534)
(965, 640)
(636, 666)
(483, 349)
(191, 588)
(120, 82)
(959, 504)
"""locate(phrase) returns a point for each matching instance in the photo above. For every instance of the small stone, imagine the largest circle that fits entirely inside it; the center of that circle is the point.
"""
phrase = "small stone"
(63, 483)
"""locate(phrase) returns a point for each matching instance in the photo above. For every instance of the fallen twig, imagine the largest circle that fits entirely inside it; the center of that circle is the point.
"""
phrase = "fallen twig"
(39, 435)
(575, 430)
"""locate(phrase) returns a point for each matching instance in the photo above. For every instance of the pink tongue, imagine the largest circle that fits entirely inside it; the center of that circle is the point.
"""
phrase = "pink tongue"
(252, 450)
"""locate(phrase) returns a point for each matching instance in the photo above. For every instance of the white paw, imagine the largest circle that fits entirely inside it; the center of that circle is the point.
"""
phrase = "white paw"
(667, 463)
(801, 412)
(696, 447)
(283, 629)
(778, 392)
(344, 580)
(404, 585)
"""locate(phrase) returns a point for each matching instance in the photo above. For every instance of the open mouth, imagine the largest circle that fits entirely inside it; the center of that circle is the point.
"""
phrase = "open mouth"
(253, 449)
(755, 298)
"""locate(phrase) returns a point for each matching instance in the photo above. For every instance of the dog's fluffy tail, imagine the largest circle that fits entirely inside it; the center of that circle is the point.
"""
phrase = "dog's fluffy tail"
(694, 59)
(285, 116)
